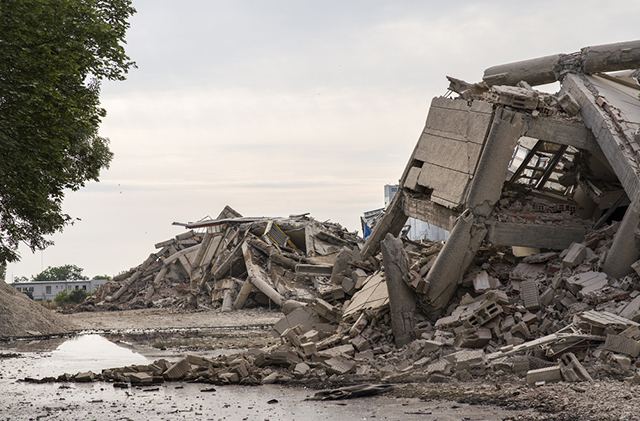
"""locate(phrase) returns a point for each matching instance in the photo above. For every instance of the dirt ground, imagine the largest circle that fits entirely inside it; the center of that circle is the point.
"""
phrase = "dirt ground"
(158, 318)
(506, 397)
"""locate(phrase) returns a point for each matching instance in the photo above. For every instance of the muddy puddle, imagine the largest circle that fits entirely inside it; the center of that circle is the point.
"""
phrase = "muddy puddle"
(98, 400)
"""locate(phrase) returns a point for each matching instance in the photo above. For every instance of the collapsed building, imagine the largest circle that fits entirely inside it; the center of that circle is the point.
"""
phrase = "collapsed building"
(538, 276)
(583, 165)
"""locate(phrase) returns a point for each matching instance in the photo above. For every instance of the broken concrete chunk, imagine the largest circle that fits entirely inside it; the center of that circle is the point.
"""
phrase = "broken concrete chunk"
(326, 310)
(572, 370)
(177, 371)
(309, 348)
(358, 326)
(473, 338)
(569, 104)
(304, 316)
(86, 376)
(343, 350)
(586, 282)
(575, 255)
(360, 343)
(341, 264)
(486, 312)
(546, 375)
(439, 367)
(622, 345)
(530, 296)
(340, 365)
(482, 283)
(524, 271)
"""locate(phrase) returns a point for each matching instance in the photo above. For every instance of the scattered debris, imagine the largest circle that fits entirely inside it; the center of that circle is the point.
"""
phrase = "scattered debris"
(537, 278)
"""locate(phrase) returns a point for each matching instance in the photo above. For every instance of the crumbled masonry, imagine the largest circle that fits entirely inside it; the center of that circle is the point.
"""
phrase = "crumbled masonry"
(538, 279)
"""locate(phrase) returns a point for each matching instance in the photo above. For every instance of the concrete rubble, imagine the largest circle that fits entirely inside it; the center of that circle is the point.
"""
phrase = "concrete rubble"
(538, 279)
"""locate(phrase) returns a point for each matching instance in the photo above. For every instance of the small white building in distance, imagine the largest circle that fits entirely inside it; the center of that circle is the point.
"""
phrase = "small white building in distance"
(47, 291)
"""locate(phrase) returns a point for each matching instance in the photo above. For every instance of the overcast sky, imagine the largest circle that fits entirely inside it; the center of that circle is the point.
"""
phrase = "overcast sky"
(286, 107)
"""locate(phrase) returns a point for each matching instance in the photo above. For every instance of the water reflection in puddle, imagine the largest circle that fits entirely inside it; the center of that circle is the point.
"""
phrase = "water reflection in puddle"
(73, 355)
(93, 352)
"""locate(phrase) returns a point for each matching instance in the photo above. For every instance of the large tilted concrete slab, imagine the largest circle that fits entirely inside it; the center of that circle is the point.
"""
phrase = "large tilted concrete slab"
(619, 147)
(448, 150)
(612, 111)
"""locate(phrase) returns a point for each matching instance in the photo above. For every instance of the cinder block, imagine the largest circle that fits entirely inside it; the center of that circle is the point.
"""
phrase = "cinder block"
(572, 370)
(177, 370)
(530, 295)
(622, 345)
(340, 365)
(547, 375)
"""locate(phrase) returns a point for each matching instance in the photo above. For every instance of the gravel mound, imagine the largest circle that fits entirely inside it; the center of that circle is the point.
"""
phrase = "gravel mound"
(21, 317)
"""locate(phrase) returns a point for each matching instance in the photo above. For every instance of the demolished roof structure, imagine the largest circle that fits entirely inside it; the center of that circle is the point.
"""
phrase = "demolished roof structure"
(231, 261)
(583, 165)
(425, 311)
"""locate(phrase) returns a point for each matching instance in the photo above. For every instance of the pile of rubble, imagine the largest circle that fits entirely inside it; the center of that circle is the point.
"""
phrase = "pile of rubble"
(548, 317)
(538, 278)
(233, 262)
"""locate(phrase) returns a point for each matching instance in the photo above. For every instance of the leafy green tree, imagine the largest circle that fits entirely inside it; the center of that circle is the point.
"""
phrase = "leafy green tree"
(101, 277)
(76, 296)
(60, 273)
(53, 55)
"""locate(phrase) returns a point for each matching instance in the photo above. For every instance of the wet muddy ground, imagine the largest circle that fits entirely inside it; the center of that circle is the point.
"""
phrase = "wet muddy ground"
(98, 400)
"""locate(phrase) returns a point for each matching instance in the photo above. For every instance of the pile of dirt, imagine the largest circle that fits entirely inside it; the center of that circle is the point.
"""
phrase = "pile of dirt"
(23, 317)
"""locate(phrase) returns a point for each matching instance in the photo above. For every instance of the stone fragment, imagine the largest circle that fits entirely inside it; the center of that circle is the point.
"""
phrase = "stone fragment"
(340, 365)
(530, 296)
(360, 343)
(301, 369)
(86, 376)
(622, 345)
(141, 378)
(575, 255)
(229, 377)
(572, 370)
(546, 375)
(177, 371)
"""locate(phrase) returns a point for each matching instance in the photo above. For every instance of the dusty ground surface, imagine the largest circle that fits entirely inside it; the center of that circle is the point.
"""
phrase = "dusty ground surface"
(484, 398)
(180, 400)
(610, 400)
(158, 318)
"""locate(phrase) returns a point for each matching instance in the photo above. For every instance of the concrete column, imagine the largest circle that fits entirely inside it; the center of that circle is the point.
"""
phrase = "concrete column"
(469, 231)
(623, 252)
(447, 270)
(392, 222)
(402, 301)
(493, 167)
(539, 71)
